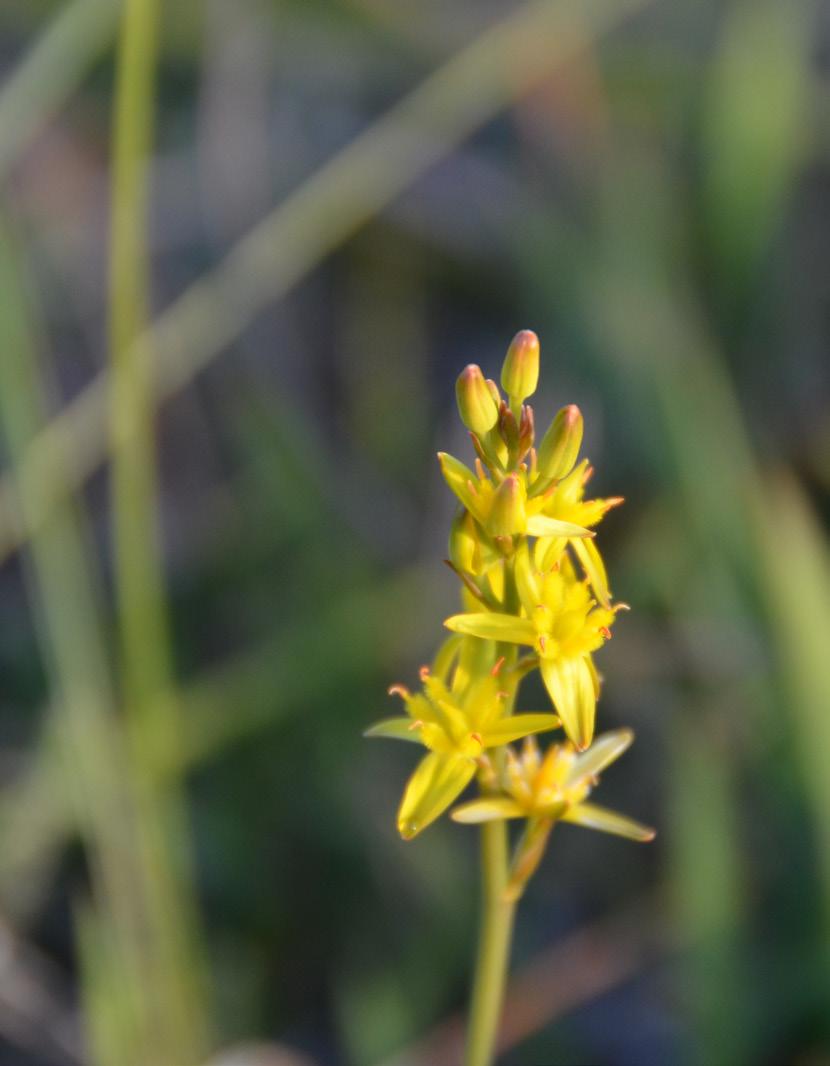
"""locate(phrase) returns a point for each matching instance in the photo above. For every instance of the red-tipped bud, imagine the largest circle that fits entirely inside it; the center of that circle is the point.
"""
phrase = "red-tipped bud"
(559, 449)
(520, 373)
(476, 405)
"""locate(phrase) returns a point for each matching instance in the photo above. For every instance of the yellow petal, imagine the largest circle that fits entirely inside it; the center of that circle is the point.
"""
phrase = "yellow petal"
(571, 688)
(539, 525)
(487, 810)
(493, 626)
(605, 750)
(591, 561)
(461, 480)
(528, 855)
(526, 582)
(395, 729)
(593, 817)
(516, 726)
(437, 781)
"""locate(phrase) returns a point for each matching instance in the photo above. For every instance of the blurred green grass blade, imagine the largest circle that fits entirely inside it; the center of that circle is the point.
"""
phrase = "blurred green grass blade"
(91, 778)
(753, 136)
(356, 184)
(795, 563)
(708, 893)
(177, 979)
(48, 75)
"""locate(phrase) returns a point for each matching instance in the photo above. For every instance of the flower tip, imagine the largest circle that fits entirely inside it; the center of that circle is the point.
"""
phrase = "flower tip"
(409, 829)
(476, 405)
(520, 373)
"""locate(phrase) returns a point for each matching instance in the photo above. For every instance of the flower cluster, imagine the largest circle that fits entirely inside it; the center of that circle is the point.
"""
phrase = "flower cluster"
(535, 595)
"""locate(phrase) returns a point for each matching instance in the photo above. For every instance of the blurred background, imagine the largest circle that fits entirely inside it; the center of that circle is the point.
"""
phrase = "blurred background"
(349, 201)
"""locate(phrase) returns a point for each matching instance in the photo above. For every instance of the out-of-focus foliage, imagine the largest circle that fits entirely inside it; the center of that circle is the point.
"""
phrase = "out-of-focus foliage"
(644, 185)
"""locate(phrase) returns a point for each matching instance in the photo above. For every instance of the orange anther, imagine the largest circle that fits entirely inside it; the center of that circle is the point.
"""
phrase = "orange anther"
(416, 725)
(477, 738)
(423, 673)
(606, 632)
(398, 690)
(499, 663)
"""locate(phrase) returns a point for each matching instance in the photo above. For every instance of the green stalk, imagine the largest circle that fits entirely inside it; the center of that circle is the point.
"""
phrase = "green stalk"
(175, 987)
(493, 947)
(496, 928)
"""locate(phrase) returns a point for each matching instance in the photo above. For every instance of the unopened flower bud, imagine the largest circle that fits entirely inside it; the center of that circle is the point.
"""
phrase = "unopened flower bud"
(559, 449)
(507, 514)
(476, 405)
(520, 372)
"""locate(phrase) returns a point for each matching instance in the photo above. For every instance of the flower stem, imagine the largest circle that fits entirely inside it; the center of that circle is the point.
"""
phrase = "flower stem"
(493, 947)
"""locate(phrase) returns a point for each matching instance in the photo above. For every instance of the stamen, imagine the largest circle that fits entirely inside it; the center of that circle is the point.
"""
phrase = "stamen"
(502, 695)
(499, 663)
(480, 470)
(423, 673)
(477, 738)
(418, 724)
(606, 632)
(398, 690)
(472, 487)
(542, 642)
(589, 473)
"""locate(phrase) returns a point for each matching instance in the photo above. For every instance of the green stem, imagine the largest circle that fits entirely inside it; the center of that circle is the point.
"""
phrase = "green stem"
(493, 947)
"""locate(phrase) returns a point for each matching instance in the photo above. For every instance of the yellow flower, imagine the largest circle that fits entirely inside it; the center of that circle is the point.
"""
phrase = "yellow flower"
(456, 723)
(553, 789)
(501, 505)
(562, 622)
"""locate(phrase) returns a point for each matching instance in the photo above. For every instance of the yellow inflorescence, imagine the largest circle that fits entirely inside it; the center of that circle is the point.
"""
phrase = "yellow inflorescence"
(535, 595)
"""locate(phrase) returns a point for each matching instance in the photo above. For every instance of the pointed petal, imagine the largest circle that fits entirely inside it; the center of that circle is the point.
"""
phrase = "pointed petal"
(571, 688)
(528, 855)
(516, 726)
(437, 781)
(605, 750)
(487, 810)
(591, 561)
(542, 526)
(493, 626)
(459, 478)
(526, 581)
(395, 729)
(593, 817)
